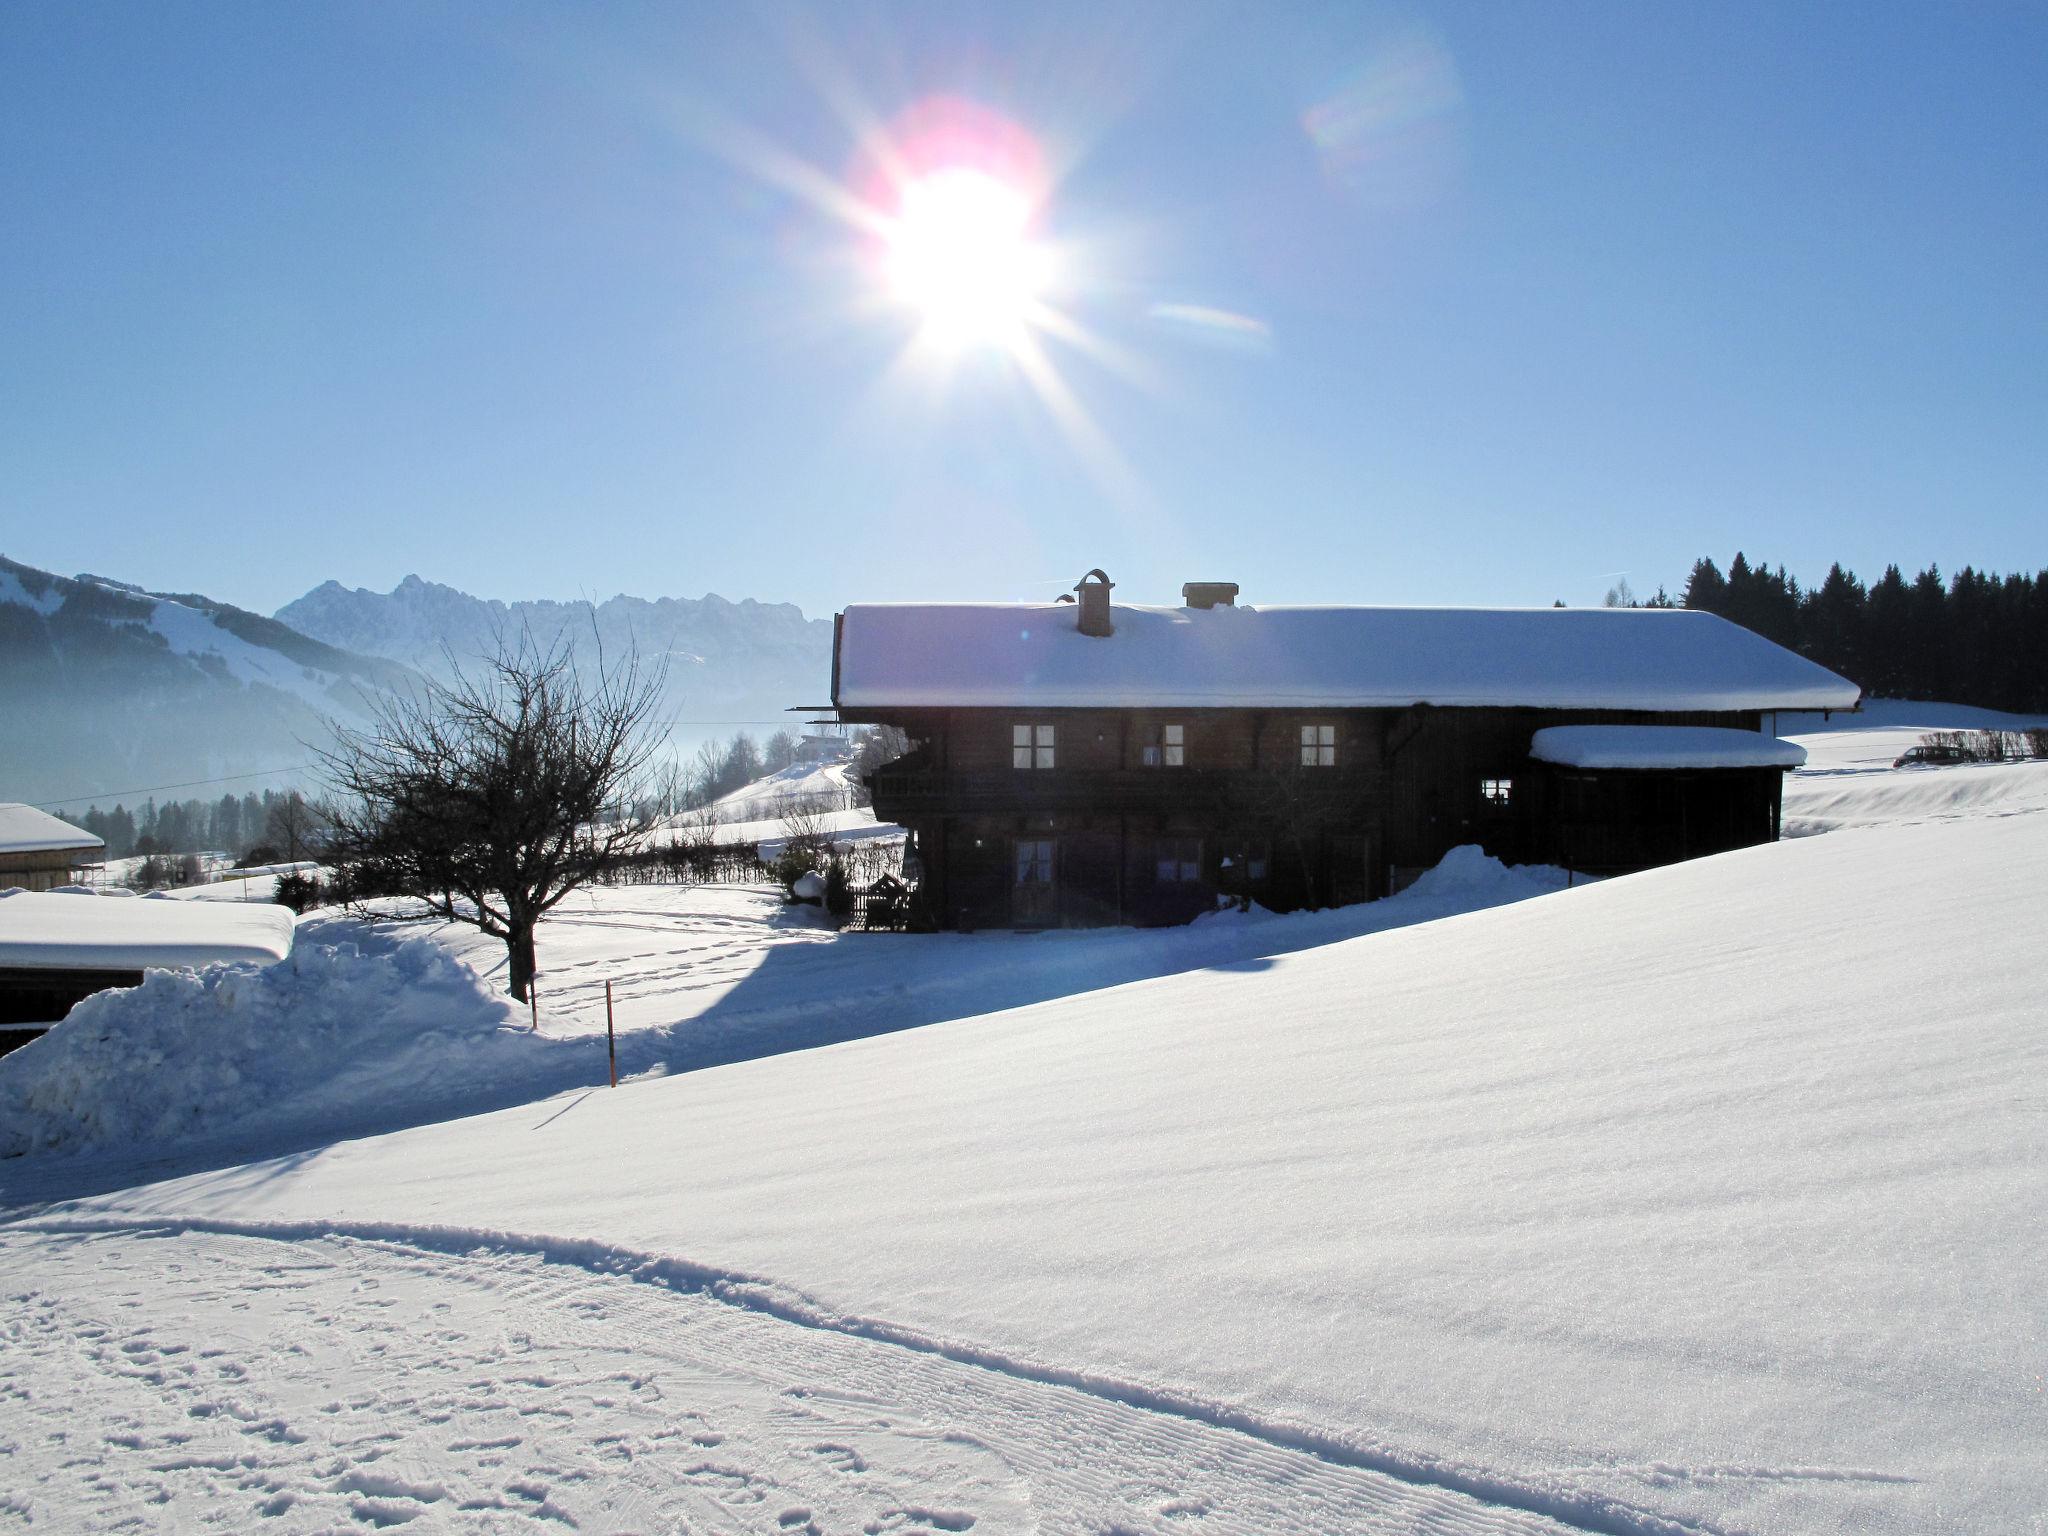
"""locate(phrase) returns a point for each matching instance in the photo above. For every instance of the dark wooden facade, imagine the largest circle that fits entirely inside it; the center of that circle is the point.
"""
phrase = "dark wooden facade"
(1130, 822)
(32, 998)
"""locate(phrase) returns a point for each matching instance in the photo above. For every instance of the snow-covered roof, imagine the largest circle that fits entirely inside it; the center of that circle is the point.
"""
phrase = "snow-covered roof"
(55, 930)
(995, 655)
(1662, 746)
(24, 829)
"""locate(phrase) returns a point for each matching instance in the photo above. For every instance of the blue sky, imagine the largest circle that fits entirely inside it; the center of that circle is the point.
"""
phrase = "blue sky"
(528, 300)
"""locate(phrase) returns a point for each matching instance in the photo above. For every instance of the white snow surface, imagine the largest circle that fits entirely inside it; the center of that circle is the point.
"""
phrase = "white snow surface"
(1661, 746)
(371, 1027)
(81, 930)
(1699, 1201)
(996, 655)
(804, 786)
(823, 793)
(1703, 1201)
(25, 829)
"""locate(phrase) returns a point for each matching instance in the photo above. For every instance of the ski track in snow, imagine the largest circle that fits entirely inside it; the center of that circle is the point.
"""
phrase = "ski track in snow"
(314, 1379)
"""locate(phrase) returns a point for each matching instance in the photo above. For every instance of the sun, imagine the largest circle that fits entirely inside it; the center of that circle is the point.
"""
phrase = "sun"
(960, 254)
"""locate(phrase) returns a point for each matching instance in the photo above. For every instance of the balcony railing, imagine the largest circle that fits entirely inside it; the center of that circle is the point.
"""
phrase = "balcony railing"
(905, 788)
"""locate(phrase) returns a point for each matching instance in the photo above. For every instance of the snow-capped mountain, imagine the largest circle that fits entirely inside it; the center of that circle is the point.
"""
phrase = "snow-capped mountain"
(730, 665)
(106, 687)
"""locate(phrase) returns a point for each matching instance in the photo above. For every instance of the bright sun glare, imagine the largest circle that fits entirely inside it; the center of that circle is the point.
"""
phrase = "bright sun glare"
(960, 253)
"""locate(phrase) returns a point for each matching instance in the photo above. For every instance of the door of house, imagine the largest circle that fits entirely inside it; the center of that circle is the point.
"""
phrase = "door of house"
(1034, 898)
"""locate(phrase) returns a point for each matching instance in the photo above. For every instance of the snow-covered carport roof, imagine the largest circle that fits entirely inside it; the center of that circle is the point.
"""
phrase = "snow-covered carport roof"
(1023, 655)
(24, 829)
(1662, 747)
(82, 932)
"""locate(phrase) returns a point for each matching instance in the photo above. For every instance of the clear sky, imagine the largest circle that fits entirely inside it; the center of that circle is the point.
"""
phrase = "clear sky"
(1465, 303)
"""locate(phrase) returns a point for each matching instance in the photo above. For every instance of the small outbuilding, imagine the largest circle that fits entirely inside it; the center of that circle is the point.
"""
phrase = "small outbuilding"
(58, 947)
(38, 852)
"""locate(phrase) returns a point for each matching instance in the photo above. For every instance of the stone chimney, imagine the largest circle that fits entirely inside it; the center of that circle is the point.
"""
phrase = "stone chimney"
(1209, 594)
(1094, 594)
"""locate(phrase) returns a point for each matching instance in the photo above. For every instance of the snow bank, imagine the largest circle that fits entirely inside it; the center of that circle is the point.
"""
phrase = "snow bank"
(1662, 746)
(327, 1037)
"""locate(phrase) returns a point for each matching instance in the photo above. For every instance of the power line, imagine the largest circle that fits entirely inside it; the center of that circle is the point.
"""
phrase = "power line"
(265, 773)
(150, 789)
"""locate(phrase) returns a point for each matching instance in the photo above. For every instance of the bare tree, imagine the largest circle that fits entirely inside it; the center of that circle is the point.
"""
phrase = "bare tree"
(293, 825)
(779, 751)
(491, 797)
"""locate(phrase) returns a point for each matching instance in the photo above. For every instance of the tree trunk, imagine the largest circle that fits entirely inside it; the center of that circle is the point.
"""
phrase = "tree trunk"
(523, 962)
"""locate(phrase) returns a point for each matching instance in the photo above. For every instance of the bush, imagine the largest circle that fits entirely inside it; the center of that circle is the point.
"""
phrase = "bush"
(299, 891)
(792, 864)
(2037, 741)
(262, 853)
(838, 891)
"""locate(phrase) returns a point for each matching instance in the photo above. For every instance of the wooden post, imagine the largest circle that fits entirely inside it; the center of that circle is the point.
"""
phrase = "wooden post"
(533, 1003)
(611, 1039)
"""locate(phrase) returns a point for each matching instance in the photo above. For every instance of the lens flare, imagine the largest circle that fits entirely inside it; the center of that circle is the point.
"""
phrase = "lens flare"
(961, 189)
(960, 253)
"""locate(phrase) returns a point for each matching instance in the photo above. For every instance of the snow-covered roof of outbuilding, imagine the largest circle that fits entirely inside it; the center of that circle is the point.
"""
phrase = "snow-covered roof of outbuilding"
(996, 655)
(1662, 746)
(60, 930)
(24, 829)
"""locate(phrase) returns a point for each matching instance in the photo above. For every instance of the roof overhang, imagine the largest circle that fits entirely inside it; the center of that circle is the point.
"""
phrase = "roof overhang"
(1656, 748)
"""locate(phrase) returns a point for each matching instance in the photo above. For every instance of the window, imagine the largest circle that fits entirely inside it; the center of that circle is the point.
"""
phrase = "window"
(1034, 861)
(1497, 793)
(1244, 865)
(1165, 746)
(1319, 746)
(1031, 746)
(1178, 860)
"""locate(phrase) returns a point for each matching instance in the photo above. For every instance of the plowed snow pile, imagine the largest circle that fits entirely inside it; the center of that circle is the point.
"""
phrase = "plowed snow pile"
(321, 1039)
(1706, 1200)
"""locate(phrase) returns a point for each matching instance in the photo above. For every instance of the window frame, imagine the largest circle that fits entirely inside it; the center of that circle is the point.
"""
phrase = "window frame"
(1165, 746)
(1041, 862)
(1319, 744)
(1034, 745)
(1179, 853)
(1497, 803)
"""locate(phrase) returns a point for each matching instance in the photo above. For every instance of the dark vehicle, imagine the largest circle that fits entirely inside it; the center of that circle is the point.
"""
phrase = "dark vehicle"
(1933, 757)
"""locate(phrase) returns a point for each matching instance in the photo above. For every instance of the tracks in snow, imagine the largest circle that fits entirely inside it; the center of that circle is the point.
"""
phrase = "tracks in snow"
(469, 1380)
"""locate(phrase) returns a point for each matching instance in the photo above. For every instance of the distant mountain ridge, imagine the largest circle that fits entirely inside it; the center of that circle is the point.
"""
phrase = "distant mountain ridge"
(106, 686)
(730, 664)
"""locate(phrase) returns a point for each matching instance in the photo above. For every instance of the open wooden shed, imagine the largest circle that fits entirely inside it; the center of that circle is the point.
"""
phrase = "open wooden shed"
(38, 851)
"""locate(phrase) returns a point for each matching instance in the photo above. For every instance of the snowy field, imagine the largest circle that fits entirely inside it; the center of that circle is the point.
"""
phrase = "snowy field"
(1703, 1201)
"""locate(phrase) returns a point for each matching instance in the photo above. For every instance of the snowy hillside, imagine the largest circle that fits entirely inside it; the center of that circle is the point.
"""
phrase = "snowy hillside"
(730, 664)
(1701, 1201)
(105, 686)
(823, 795)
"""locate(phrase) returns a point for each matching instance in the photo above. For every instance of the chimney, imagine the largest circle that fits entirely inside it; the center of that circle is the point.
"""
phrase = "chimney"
(1209, 594)
(1094, 593)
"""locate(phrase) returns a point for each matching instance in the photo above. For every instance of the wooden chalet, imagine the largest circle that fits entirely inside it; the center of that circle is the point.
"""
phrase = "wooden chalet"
(39, 852)
(1091, 762)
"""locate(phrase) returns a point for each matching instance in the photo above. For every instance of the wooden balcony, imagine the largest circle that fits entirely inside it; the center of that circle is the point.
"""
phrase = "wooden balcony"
(905, 790)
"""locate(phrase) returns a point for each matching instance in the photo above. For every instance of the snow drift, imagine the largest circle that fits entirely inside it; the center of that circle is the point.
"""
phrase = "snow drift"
(324, 1038)
(1701, 1200)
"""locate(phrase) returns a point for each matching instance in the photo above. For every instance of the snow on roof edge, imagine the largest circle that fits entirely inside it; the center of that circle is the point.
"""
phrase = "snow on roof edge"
(27, 829)
(968, 655)
(1662, 747)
